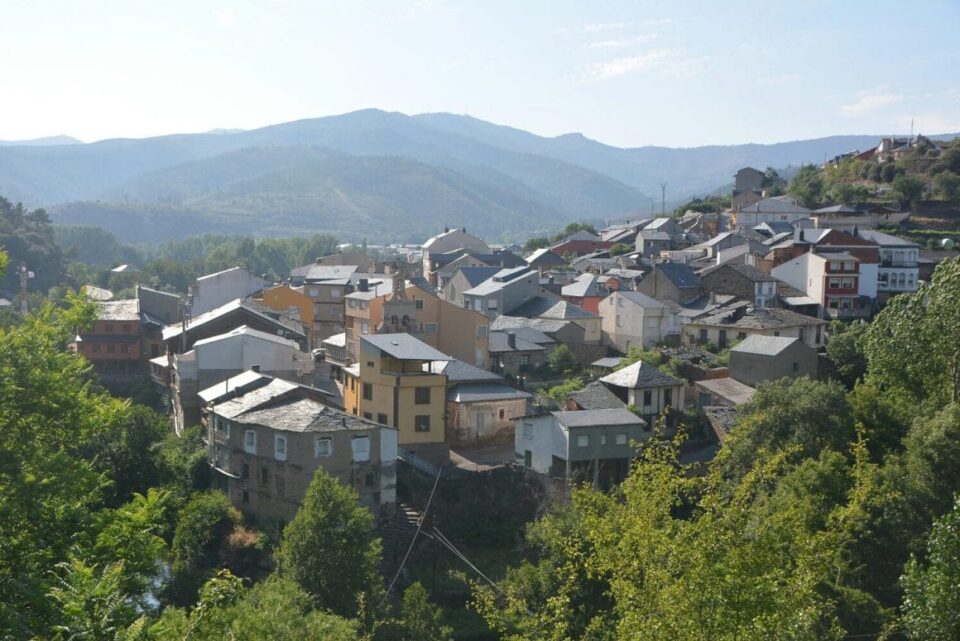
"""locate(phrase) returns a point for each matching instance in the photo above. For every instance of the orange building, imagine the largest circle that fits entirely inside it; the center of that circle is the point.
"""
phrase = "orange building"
(285, 298)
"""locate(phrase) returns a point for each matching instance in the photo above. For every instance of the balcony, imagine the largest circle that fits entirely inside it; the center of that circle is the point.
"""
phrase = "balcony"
(888, 262)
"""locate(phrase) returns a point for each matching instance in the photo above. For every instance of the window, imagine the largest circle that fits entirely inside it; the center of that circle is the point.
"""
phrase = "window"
(668, 397)
(848, 267)
(647, 398)
(818, 335)
(528, 431)
(245, 471)
(314, 292)
(245, 496)
(126, 328)
(382, 419)
(834, 283)
(524, 359)
(621, 439)
(368, 391)
(108, 327)
(335, 293)
(703, 336)
(796, 366)
(421, 396)
(264, 475)
(322, 446)
(481, 331)
(250, 442)
(353, 384)
(364, 327)
(418, 303)
(369, 363)
(741, 336)
(281, 486)
(110, 349)
(776, 333)
(501, 413)
(369, 480)
(834, 266)
(848, 283)
(583, 440)
(368, 416)
(421, 423)
(361, 448)
(352, 304)
(280, 447)
(492, 303)
(430, 328)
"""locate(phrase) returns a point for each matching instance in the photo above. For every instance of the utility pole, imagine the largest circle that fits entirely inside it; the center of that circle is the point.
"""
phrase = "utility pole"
(663, 199)
(25, 275)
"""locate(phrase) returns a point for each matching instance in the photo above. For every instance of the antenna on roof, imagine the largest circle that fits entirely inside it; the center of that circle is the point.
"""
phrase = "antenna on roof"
(663, 199)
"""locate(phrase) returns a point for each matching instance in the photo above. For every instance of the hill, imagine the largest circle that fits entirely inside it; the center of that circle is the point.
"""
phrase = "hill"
(448, 168)
(42, 142)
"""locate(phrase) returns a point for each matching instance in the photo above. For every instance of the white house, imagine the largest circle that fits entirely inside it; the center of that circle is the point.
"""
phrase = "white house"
(647, 388)
(631, 319)
(832, 279)
(899, 270)
(213, 290)
(769, 210)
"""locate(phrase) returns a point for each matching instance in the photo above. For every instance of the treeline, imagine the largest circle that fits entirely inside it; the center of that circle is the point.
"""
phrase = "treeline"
(539, 242)
(830, 512)
(173, 265)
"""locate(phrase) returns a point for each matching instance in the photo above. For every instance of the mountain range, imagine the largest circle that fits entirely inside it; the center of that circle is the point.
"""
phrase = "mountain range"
(383, 176)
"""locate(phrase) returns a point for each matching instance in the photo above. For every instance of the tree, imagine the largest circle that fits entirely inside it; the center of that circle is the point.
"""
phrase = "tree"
(561, 359)
(807, 186)
(198, 542)
(773, 183)
(844, 351)
(791, 413)
(91, 602)
(329, 548)
(914, 343)
(908, 189)
(931, 607)
(947, 185)
(620, 249)
(420, 619)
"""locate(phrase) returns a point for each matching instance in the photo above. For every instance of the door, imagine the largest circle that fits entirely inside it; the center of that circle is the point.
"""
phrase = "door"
(722, 341)
(480, 423)
(527, 458)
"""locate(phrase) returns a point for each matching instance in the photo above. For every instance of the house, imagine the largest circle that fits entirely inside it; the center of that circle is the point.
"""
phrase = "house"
(631, 319)
(545, 259)
(744, 281)
(585, 446)
(399, 307)
(899, 268)
(514, 356)
(181, 337)
(481, 406)
(660, 235)
(447, 264)
(765, 358)
(214, 290)
(361, 261)
(723, 392)
(448, 241)
(748, 178)
(580, 243)
(585, 291)
(215, 359)
(773, 209)
(392, 383)
(646, 388)
(266, 441)
(627, 278)
(542, 331)
(327, 286)
(735, 323)
(505, 290)
(297, 303)
(164, 307)
(595, 396)
(672, 281)
(119, 343)
(830, 279)
(549, 308)
(463, 279)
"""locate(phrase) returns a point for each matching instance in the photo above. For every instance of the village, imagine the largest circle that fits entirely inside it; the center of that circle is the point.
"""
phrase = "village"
(467, 357)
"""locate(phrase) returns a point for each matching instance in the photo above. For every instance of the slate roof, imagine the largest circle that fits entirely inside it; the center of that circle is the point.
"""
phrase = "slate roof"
(175, 330)
(657, 223)
(776, 204)
(500, 280)
(545, 256)
(581, 235)
(251, 399)
(120, 310)
(472, 392)
(760, 318)
(585, 285)
(498, 342)
(654, 234)
(728, 389)
(459, 371)
(764, 345)
(640, 376)
(679, 274)
(305, 415)
(609, 362)
(596, 396)
(320, 273)
(404, 347)
(747, 271)
(543, 325)
(640, 299)
(543, 307)
(886, 240)
(243, 330)
(476, 275)
(598, 418)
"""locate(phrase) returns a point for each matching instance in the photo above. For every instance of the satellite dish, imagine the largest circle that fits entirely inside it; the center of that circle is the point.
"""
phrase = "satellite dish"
(947, 243)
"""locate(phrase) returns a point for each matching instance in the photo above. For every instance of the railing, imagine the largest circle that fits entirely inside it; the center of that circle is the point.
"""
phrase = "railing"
(417, 463)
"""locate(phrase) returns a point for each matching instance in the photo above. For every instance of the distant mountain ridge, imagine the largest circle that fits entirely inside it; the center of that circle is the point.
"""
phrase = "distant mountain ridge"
(42, 142)
(371, 174)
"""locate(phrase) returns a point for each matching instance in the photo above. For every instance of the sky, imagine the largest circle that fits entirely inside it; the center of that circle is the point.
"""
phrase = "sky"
(675, 73)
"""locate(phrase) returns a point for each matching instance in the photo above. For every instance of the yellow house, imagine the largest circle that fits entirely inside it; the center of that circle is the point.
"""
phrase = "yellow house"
(392, 383)
(283, 298)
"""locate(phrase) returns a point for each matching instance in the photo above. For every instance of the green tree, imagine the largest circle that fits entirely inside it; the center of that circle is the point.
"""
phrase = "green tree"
(329, 548)
(931, 606)
(620, 249)
(561, 359)
(947, 184)
(845, 352)
(420, 619)
(807, 186)
(198, 548)
(914, 342)
(908, 189)
(91, 602)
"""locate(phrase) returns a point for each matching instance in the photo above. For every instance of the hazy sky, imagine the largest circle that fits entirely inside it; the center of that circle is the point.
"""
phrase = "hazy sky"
(675, 73)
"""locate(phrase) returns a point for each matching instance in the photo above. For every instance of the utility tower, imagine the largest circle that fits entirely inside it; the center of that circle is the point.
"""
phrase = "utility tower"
(663, 199)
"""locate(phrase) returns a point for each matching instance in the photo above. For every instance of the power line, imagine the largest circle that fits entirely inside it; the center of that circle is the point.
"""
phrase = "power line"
(420, 521)
(439, 536)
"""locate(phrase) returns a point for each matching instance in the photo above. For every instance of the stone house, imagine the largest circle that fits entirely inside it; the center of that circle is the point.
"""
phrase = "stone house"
(631, 319)
(672, 281)
(744, 281)
(727, 326)
(647, 388)
(765, 358)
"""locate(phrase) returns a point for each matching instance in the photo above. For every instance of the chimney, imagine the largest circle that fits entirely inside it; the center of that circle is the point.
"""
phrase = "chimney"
(255, 368)
(796, 234)
(363, 285)
(511, 340)
(319, 261)
(856, 232)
